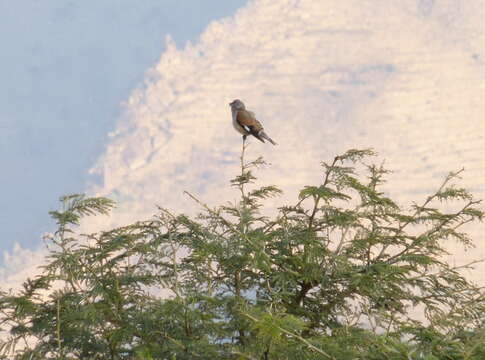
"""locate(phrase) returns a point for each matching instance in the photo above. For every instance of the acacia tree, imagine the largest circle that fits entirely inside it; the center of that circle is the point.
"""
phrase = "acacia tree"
(345, 273)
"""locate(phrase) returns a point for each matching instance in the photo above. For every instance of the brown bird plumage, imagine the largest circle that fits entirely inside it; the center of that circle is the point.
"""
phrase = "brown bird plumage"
(245, 122)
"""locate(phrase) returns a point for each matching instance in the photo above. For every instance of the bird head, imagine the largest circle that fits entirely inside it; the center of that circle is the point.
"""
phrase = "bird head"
(237, 105)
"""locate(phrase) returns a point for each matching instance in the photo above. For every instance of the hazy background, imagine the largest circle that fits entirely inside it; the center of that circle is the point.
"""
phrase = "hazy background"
(65, 68)
(404, 77)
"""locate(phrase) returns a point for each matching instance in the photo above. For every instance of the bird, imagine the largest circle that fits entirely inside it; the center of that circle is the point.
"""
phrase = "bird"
(245, 122)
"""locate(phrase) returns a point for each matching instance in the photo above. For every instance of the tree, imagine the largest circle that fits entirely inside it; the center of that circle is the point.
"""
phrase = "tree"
(345, 273)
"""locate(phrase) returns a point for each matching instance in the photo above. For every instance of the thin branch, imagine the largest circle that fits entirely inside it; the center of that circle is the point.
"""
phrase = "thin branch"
(243, 167)
(298, 337)
(393, 259)
(58, 327)
(325, 182)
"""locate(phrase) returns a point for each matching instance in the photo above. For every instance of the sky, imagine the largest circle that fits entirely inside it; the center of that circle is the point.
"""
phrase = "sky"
(406, 78)
(66, 68)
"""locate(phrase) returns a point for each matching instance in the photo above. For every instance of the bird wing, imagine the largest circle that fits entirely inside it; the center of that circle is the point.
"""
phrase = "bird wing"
(247, 119)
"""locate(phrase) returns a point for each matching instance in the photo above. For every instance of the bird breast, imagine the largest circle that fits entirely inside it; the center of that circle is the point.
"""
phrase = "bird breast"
(236, 124)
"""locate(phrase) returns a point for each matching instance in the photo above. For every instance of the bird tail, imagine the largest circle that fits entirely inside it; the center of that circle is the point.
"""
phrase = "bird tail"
(259, 138)
(266, 137)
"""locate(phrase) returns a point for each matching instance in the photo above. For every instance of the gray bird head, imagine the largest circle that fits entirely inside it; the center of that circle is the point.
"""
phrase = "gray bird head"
(237, 105)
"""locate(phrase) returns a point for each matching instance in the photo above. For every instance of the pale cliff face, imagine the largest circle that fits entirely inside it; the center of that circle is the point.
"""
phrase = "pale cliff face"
(406, 78)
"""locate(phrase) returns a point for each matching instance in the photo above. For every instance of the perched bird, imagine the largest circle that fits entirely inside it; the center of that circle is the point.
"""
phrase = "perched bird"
(245, 122)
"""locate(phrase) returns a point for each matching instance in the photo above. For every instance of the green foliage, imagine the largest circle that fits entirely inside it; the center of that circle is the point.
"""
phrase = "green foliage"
(345, 273)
